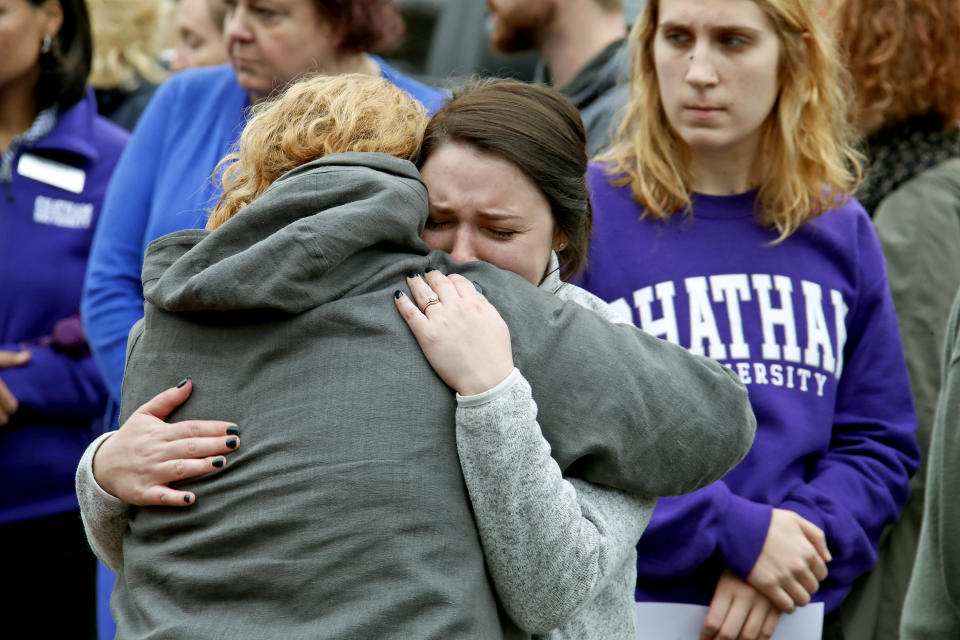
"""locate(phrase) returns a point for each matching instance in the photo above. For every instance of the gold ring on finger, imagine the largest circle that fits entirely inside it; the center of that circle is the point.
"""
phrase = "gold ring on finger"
(431, 300)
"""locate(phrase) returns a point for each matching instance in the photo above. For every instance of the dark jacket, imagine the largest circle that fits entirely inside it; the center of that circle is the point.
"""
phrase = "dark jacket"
(345, 515)
(599, 91)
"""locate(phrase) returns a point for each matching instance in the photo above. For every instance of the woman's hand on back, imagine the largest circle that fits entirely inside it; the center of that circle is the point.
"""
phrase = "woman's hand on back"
(462, 335)
(137, 463)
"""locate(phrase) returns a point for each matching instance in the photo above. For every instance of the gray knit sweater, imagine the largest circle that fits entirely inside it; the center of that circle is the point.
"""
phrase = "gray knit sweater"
(561, 552)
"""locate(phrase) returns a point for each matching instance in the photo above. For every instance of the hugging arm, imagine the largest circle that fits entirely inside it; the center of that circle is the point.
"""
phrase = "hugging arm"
(136, 464)
(619, 407)
(550, 546)
(550, 543)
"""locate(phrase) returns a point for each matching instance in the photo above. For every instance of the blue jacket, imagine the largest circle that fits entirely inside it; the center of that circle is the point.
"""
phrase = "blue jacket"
(163, 184)
(45, 236)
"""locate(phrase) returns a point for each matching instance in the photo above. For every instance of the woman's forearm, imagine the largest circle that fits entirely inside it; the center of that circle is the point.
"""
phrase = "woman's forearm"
(104, 516)
(549, 547)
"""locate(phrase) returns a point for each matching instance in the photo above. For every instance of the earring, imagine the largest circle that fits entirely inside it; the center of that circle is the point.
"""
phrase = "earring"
(563, 245)
(46, 45)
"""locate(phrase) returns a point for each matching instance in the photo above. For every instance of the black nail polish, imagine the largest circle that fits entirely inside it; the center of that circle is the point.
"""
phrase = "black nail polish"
(429, 269)
(233, 431)
(186, 498)
(412, 274)
(476, 285)
(218, 462)
(232, 443)
(398, 294)
(182, 383)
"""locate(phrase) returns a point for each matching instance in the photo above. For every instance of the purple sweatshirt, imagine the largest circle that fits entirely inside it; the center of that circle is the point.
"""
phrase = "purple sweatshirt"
(809, 326)
(45, 235)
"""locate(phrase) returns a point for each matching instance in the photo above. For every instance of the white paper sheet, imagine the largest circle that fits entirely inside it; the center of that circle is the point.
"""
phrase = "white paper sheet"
(669, 621)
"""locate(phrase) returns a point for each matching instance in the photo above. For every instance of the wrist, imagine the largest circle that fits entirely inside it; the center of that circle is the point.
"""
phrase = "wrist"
(483, 381)
(490, 395)
(98, 466)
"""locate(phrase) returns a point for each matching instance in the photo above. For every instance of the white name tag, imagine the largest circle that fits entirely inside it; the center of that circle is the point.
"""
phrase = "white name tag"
(57, 174)
(62, 213)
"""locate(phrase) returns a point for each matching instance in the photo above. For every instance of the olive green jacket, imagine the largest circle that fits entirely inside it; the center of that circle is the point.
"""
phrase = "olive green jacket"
(919, 229)
(932, 607)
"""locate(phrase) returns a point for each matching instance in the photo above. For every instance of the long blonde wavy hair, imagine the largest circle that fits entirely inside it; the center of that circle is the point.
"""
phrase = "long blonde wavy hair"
(810, 162)
(128, 36)
(312, 118)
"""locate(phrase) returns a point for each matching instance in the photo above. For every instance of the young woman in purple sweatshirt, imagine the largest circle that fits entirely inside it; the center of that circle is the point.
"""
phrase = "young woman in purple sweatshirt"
(723, 223)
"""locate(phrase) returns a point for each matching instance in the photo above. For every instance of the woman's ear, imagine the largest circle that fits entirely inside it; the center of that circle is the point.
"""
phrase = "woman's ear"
(52, 12)
(559, 241)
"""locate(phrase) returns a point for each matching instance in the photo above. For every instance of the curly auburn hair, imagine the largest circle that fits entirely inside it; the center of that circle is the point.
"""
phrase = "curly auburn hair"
(810, 160)
(905, 59)
(311, 119)
(365, 26)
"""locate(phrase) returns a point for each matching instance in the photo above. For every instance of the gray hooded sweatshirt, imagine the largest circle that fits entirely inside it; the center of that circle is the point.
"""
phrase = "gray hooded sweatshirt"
(345, 514)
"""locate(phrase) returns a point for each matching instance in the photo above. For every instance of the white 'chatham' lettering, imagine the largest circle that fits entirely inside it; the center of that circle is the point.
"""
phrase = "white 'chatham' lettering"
(771, 316)
(740, 293)
(818, 338)
(734, 289)
(703, 324)
(839, 319)
(666, 325)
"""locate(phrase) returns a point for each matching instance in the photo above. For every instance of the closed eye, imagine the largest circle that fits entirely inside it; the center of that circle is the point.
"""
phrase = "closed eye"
(436, 224)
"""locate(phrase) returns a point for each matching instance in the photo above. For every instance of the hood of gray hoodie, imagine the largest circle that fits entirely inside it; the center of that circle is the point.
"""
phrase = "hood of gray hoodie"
(279, 252)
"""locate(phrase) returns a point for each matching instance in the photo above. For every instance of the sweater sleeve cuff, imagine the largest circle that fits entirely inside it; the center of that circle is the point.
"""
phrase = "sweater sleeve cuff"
(745, 527)
(85, 468)
(490, 394)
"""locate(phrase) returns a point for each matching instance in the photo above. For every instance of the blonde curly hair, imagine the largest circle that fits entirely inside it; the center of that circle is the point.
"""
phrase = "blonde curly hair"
(313, 118)
(128, 36)
(810, 161)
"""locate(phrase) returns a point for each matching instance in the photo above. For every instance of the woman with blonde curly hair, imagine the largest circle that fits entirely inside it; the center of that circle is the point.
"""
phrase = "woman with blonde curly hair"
(724, 223)
(316, 119)
(905, 60)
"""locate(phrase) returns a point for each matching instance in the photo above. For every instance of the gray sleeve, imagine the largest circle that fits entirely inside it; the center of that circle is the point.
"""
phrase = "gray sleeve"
(619, 406)
(104, 516)
(932, 605)
(550, 544)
